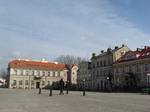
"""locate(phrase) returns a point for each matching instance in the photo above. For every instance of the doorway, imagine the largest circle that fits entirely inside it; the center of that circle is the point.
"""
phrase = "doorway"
(37, 84)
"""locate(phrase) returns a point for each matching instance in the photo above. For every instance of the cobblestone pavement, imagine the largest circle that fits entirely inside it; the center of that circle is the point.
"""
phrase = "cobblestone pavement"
(12, 100)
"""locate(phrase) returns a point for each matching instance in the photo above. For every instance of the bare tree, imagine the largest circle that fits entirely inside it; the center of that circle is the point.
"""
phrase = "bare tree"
(3, 74)
(69, 59)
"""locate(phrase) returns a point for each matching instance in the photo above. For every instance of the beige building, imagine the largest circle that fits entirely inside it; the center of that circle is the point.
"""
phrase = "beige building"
(35, 74)
(133, 69)
(101, 67)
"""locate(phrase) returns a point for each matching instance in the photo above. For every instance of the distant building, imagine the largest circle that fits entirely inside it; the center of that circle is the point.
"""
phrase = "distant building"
(102, 67)
(72, 73)
(133, 69)
(2, 82)
(84, 74)
(35, 74)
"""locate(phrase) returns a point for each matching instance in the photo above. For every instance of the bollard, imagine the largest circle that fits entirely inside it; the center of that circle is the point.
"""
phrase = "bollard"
(84, 92)
(67, 87)
(50, 94)
(39, 90)
(67, 91)
(83, 87)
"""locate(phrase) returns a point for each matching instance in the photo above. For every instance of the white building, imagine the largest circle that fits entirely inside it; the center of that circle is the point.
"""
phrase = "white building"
(22, 73)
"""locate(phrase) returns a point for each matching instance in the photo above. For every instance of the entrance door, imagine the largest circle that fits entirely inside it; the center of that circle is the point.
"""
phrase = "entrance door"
(37, 84)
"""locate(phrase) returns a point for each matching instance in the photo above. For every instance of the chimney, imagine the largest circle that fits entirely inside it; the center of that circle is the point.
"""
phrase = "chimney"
(56, 63)
(116, 47)
(93, 55)
(123, 45)
(102, 51)
(109, 50)
(146, 47)
(138, 49)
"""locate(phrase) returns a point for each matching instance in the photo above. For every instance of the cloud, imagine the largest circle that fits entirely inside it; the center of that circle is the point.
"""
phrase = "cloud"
(46, 29)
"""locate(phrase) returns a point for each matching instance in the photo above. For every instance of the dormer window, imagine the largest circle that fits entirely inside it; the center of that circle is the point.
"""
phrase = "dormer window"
(137, 55)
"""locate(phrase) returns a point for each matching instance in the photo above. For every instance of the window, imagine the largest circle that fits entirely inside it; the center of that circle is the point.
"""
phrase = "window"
(73, 73)
(138, 68)
(15, 72)
(26, 82)
(27, 72)
(53, 74)
(93, 65)
(97, 64)
(104, 63)
(32, 72)
(130, 68)
(48, 82)
(97, 73)
(32, 82)
(123, 69)
(43, 73)
(58, 74)
(14, 82)
(49, 73)
(20, 82)
(43, 83)
(116, 70)
(146, 67)
(38, 73)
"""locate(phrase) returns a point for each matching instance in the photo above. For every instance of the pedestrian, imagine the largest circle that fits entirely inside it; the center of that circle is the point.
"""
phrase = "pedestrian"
(61, 85)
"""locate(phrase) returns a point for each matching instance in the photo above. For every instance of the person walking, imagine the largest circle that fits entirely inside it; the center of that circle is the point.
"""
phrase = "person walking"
(61, 85)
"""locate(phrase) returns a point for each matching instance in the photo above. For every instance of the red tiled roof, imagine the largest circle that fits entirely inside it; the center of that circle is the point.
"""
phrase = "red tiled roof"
(144, 53)
(36, 65)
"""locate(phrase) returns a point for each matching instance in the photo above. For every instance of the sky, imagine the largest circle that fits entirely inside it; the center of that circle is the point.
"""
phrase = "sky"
(37, 29)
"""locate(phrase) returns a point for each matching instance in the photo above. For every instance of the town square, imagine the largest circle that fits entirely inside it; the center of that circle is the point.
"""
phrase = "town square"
(74, 56)
(30, 101)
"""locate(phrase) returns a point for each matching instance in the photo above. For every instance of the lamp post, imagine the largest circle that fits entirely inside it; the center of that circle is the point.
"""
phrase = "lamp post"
(148, 81)
(67, 87)
(107, 82)
(40, 87)
(51, 89)
(83, 87)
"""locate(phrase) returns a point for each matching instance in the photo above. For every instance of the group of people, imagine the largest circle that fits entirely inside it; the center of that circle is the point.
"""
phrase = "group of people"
(62, 86)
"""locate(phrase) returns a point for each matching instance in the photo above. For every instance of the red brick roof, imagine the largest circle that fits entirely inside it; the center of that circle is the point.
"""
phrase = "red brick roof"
(143, 53)
(36, 65)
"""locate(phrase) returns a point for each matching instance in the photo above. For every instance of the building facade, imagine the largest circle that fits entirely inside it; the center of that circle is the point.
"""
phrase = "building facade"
(34, 74)
(84, 75)
(74, 71)
(102, 67)
(133, 69)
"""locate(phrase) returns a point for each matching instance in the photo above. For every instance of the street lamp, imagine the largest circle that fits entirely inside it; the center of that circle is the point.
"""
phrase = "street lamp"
(67, 87)
(107, 78)
(51, 89)
(148, 81)
(108, 81)
(83, 87)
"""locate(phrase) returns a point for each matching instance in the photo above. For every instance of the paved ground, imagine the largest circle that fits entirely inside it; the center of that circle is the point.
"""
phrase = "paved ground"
(31, 101)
